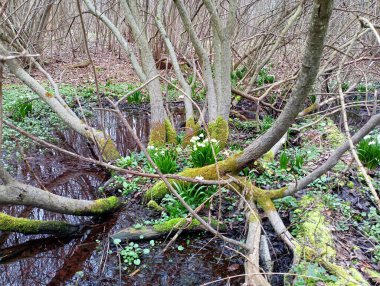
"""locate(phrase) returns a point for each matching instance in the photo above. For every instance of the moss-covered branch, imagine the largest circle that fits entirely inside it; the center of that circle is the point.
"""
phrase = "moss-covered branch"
(27, 226)
(161, 229)
(228, 166)
(17, 193)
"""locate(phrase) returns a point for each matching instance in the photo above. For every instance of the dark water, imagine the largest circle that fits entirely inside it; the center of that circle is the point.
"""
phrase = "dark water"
(48, 260)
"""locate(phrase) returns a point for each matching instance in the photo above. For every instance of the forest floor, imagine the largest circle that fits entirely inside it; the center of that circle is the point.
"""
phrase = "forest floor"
(194, 258)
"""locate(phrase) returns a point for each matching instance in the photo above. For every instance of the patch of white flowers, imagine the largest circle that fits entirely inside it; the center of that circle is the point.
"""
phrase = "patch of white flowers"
(375, 139)
(199, 142)
(199, 178)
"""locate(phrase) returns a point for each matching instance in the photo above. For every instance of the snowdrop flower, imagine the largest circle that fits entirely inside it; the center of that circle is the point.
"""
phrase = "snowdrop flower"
(371, 143)
(195, 148)
(199, 178)
(201, 135)
(194, 139)
(150, 148)
(201, 145)
(205, 141)
(214, 140)
(367, 137)
(162, 152)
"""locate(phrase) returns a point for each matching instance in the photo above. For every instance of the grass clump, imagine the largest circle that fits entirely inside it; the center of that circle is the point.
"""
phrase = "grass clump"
(201, 153)
(193, 194)
(369, 152)
(164, 158)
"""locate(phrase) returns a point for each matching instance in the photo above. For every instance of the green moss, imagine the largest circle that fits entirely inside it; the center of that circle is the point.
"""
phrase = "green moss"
(191, 129)
(310, 109)
(28, 226)
(374, 275)
(157, 135)
(315, 243)
(269, 156)
(153, 205)
(346, 277)
(102, 206)
(177, 223)
(219, 130)
(159, 190)
(314, 231)
(334, 137)
(108, 149)
(171, 134)
(253, 217)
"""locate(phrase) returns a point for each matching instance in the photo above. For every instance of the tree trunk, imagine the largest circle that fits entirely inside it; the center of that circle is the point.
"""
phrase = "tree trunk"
(310, 65)
(57, 104)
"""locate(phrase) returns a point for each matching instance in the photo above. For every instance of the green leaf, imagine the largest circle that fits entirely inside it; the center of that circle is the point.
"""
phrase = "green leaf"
(116, 241)
(146, 251)
(137, 262)
(180, 248)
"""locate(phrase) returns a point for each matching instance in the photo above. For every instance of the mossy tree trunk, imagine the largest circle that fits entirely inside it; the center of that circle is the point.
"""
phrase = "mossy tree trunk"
(161, 130)
(217, 78)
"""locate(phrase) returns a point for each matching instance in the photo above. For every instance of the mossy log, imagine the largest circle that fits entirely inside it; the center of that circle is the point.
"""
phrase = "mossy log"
(17, 193)
(164, 228)
(316, 244)
(27, 226)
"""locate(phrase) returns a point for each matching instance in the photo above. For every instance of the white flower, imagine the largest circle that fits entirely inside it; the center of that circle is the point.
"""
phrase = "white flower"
(150, 148)
(199, 178)
(214, 140)
(367, 137)
(371, 143)
(201, 135)
(201, 144)
(194, 139)
(205, 141)
(195, 148)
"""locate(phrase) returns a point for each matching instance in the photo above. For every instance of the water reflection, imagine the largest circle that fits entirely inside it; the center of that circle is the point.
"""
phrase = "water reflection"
(43, 260)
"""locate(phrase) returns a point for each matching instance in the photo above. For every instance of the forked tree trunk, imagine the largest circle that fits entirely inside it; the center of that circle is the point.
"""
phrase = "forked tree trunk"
(309, 70)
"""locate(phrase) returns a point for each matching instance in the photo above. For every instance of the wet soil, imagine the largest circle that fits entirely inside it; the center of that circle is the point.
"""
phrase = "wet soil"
(90, 259)
(84, 260)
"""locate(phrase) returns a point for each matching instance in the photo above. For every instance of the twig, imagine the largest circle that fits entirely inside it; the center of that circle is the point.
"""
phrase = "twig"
(170, 187)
